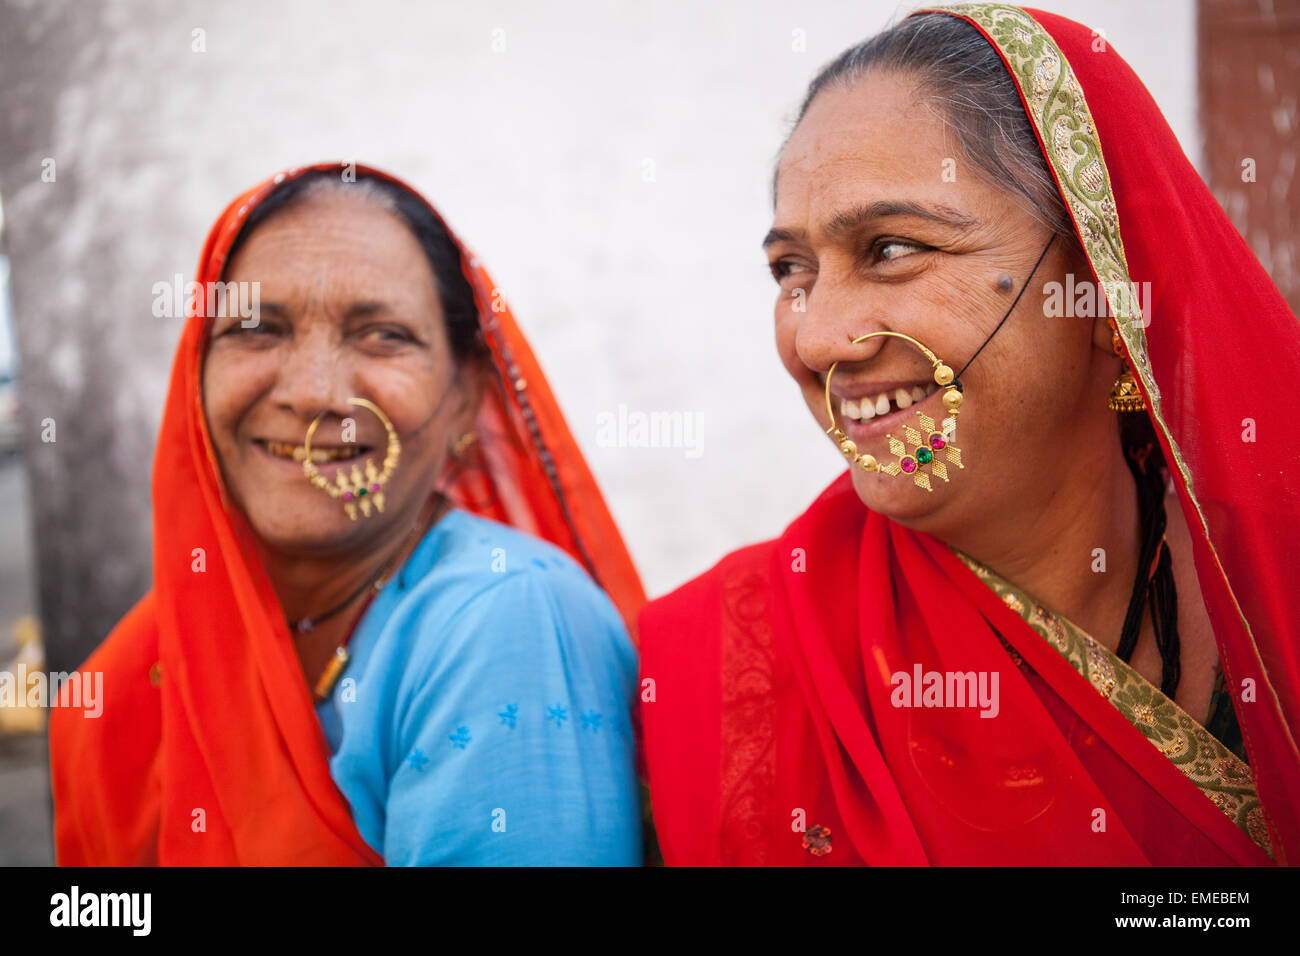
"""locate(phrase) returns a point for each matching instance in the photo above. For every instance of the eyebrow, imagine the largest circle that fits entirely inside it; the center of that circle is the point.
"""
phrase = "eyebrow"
(847, 220)
(368, 308)
(361, 308)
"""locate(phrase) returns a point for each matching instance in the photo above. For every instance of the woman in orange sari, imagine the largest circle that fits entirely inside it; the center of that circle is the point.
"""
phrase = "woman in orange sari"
(1046, 617)
(377, 632)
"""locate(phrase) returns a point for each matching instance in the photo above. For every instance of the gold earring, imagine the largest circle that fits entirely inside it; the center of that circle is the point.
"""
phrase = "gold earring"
(463, 444)
(1124, 394)
(926, 443)
(356, 488)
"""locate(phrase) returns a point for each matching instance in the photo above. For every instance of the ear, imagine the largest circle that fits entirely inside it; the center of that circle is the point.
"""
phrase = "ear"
(1079, 264)
(471, 382)
(1101, 338)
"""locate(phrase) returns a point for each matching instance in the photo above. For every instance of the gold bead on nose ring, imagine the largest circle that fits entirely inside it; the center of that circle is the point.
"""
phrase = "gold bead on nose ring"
(925, 444)
(363, 486)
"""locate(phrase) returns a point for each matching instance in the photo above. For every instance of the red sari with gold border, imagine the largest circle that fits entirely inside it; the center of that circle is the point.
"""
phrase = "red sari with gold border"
(771, 737)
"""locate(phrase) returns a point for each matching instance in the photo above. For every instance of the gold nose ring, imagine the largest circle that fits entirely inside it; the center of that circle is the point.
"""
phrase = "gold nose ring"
(363, 486)
(925, 443)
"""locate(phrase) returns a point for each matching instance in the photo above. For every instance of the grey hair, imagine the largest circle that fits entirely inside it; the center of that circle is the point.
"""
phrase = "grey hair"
(961, 72)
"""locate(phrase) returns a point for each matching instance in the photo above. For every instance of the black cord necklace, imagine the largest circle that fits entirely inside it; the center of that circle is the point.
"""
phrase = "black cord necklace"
(305, 625)
(1014, 302)
(377, 580)
(1154, 584)
(376, 583)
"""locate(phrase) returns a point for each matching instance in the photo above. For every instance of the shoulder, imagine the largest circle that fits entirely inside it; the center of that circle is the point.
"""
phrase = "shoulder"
(835, 517)
(835, 514)
(493, 597)
(482, 554)
(697, 605)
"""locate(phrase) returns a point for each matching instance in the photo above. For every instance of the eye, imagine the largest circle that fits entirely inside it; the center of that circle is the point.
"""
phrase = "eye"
(781, 268)
(890, 250)
(388, 333)
(262, 327)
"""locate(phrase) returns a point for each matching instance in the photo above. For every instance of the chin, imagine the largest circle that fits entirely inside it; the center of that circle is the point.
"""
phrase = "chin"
(302, 527)
(898, 498)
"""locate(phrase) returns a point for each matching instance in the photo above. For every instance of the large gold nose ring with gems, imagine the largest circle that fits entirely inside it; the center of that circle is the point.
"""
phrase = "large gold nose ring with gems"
(919, 448)
(362, 487)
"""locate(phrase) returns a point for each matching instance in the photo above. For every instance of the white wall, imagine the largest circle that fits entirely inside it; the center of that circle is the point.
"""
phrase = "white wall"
(653, 294)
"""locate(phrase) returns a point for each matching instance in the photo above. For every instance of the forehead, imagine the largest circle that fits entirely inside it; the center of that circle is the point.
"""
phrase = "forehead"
(875, 138)
(337, 235)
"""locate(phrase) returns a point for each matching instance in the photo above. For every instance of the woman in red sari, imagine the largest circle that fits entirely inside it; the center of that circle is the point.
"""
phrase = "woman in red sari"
(1071, 641)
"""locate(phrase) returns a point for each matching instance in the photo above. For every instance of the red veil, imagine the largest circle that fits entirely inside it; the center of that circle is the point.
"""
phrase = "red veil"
(228, 729)
(772, 723)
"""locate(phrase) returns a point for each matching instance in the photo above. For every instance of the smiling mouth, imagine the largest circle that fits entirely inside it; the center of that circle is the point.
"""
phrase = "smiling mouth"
(319, 454)
(869, 407)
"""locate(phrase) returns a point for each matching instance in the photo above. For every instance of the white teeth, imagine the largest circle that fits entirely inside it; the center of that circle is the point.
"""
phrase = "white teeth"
(929, 389)
(884, 403)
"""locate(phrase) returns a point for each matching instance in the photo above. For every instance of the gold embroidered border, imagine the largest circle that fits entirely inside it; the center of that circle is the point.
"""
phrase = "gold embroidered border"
(1061, 117)
(1214, 769)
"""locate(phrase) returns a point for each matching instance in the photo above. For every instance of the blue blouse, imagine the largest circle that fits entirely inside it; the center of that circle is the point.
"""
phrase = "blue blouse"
(484, 716)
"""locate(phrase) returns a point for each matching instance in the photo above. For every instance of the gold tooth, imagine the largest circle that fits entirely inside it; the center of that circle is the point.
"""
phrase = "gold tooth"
(318, 455)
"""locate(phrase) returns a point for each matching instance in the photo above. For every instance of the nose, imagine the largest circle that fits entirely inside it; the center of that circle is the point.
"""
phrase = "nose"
(313, 378)
(837, 313)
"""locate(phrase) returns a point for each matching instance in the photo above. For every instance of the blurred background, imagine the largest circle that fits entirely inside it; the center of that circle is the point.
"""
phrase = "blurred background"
(610, 162)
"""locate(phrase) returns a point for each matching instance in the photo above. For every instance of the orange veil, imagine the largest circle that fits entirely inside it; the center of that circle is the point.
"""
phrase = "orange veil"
(208, 750)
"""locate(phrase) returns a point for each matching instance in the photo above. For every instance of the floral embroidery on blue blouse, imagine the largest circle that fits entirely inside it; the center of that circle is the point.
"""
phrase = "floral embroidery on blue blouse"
(449, 729)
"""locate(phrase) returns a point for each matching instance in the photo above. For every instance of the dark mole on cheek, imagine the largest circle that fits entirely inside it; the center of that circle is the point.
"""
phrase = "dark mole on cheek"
(1004, 283)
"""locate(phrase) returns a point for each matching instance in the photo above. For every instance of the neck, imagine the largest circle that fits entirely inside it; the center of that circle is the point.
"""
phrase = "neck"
(1048, 545)
(310, 586)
